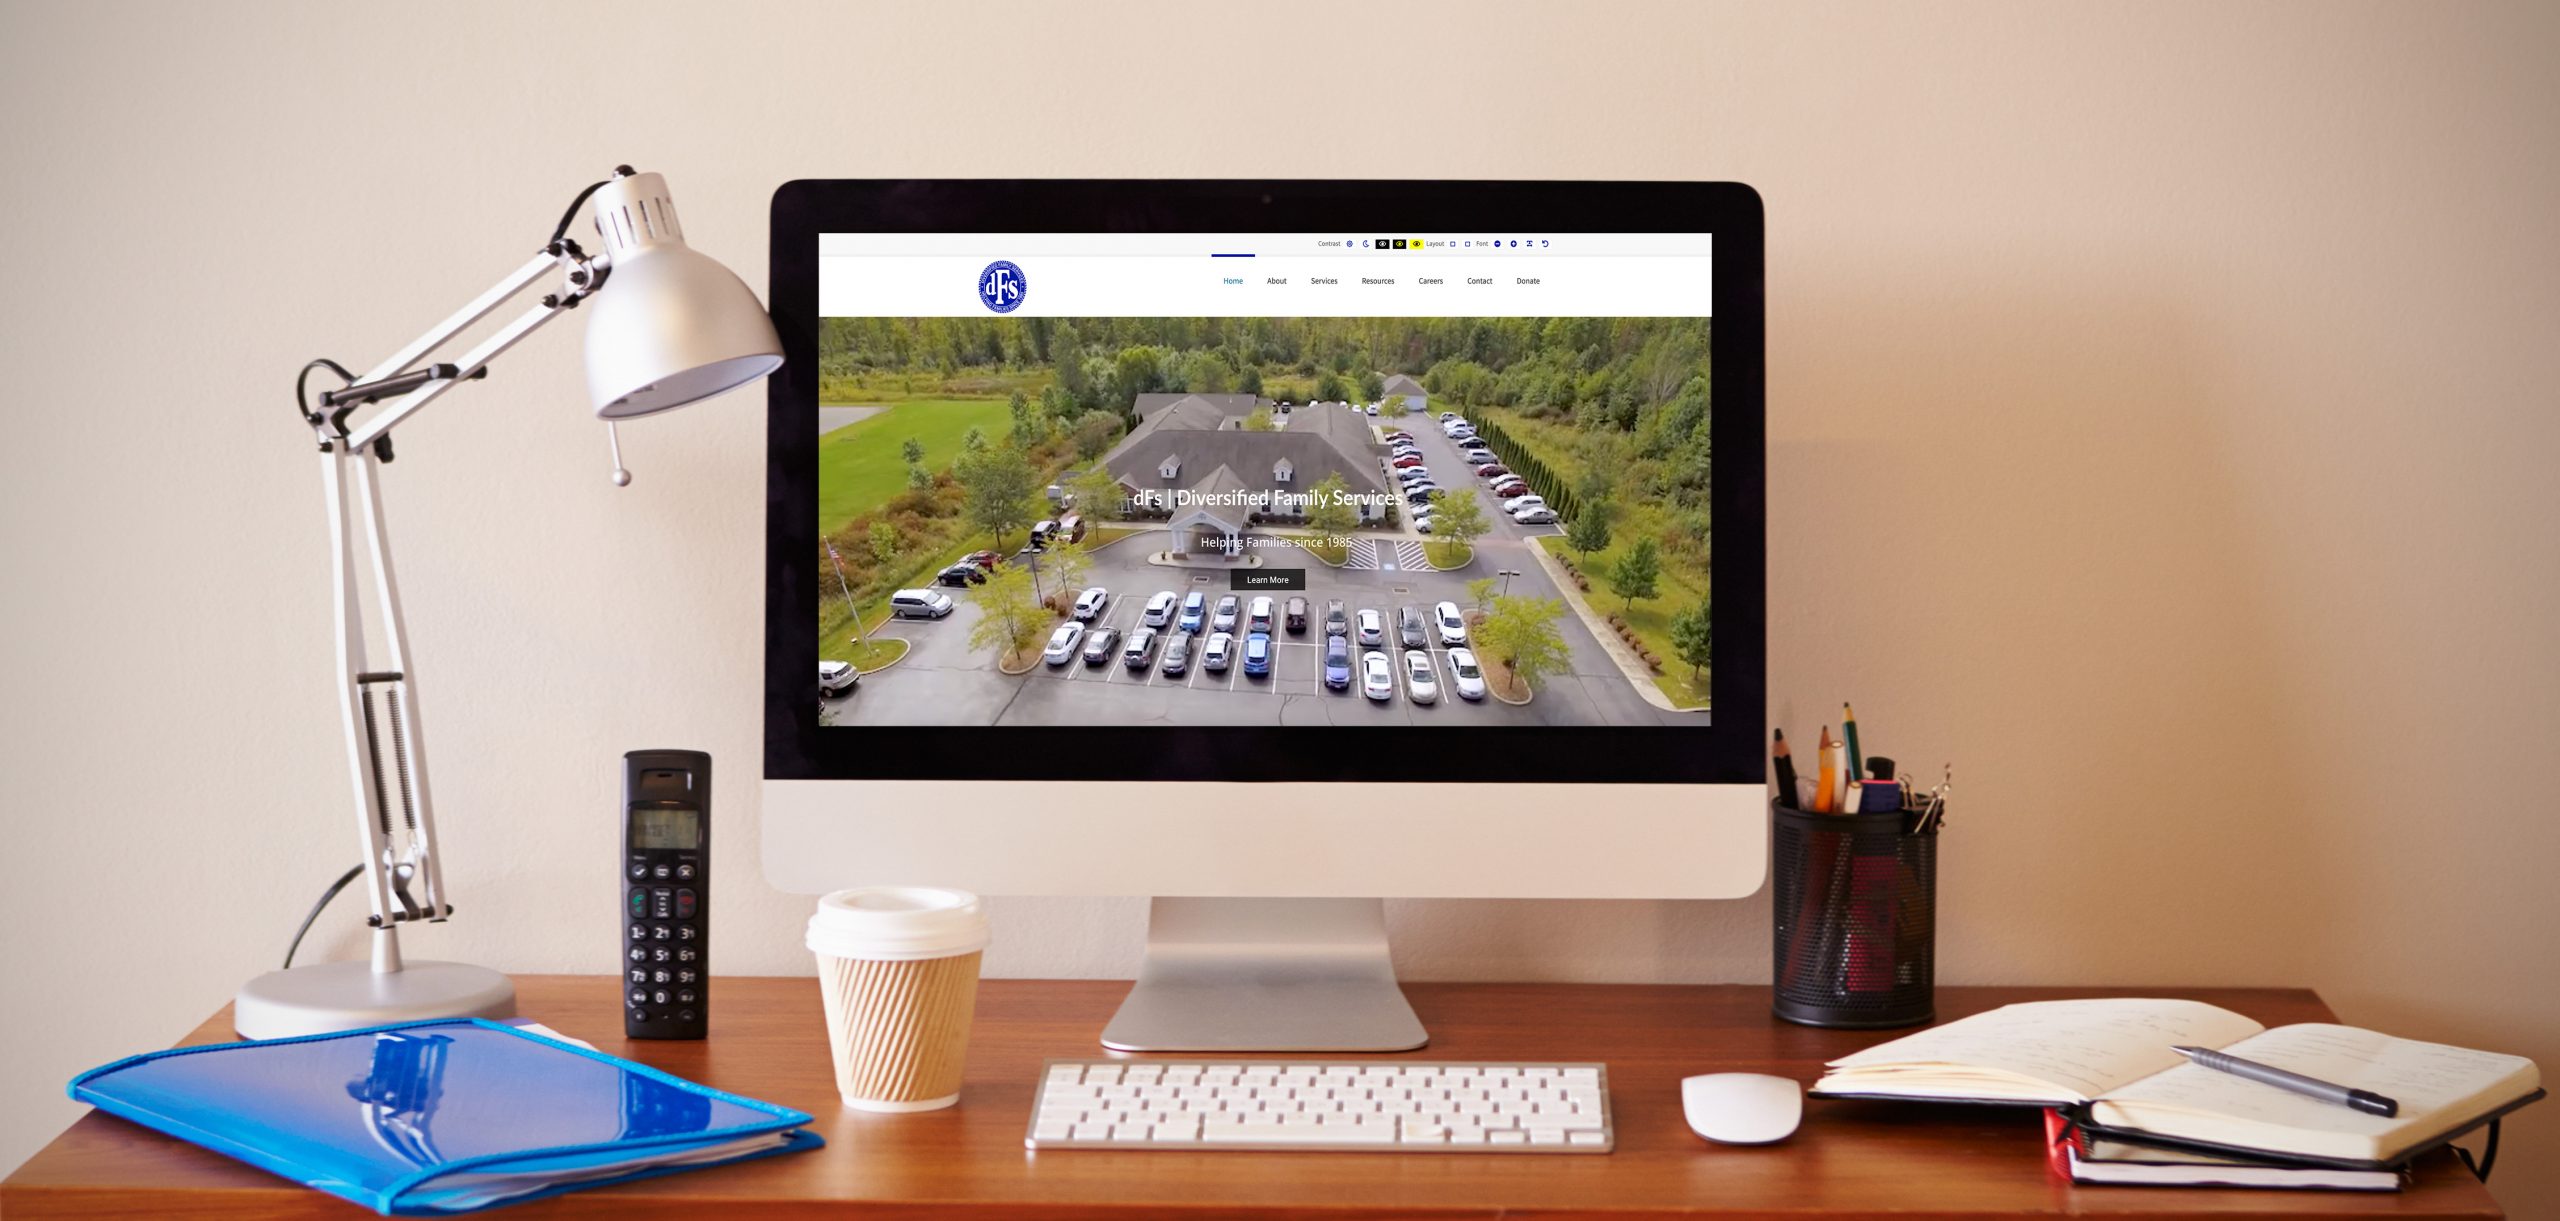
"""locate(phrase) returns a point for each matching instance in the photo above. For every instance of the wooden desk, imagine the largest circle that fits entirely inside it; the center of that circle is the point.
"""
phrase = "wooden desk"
(1850, 1159)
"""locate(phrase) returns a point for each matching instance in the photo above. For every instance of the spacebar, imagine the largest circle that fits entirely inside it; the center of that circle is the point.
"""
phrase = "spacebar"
(1299, 1134)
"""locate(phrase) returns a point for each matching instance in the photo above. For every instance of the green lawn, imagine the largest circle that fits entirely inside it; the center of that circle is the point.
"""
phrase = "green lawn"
(1676, 591)
(1446, 553)
(874, 387)
(860, 466)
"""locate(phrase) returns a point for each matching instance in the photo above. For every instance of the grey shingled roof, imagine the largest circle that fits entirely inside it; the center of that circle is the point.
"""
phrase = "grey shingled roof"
(1200, 430)
(1406, 386)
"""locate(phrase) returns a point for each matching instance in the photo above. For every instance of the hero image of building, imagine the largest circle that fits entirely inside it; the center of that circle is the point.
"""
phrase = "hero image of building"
(1192, 462)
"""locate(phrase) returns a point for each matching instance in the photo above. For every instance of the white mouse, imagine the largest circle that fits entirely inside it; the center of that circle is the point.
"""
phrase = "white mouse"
(1742, 1108)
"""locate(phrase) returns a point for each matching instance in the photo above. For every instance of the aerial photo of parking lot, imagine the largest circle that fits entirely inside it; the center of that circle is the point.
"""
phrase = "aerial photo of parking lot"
(1320, 521)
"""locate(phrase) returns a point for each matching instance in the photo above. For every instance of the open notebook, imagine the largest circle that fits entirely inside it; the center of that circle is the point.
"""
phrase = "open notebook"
(2114, 1056)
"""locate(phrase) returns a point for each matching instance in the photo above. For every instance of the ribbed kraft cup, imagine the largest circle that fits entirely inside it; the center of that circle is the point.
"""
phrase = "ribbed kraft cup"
(899, 1029)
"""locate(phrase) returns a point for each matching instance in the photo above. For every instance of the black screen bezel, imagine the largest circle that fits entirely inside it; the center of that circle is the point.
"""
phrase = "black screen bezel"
(1727, 751)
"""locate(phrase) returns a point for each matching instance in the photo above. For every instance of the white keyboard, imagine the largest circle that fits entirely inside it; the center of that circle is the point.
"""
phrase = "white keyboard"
(1323, 1105)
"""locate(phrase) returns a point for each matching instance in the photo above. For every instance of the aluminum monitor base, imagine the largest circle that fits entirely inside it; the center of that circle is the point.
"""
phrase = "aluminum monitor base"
(1273, 975)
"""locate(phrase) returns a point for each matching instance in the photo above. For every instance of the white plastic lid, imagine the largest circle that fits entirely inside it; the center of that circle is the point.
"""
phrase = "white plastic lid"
(897, 922)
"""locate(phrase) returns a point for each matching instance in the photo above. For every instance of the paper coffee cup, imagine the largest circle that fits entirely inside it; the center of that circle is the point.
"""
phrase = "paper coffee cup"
(898, 969)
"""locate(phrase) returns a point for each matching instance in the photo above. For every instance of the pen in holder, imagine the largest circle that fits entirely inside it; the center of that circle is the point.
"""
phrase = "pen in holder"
(1855, 933)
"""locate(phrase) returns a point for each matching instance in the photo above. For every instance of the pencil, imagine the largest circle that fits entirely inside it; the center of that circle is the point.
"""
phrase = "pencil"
(1826, 778)
(1786, 765)
(1849, 734)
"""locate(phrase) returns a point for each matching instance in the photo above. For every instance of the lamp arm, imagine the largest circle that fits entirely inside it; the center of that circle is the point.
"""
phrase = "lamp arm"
(378, 706)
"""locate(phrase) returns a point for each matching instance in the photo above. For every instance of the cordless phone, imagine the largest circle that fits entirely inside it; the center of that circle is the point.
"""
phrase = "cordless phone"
(666, 871)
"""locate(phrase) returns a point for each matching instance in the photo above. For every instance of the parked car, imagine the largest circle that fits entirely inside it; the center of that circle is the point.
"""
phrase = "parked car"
(1421, 682)
(1041, 531)
(961, 576)
(1337, 662)
(1524, 501)
(1100, 644)
(1089, 604)
(1398, 434)
(1062, 644)
(1420, 493)
(1295, 617)
(1257, 655)
(1465, 674)
(1508, 486)
(837, 678)
(983, 559)
(1409, 628)
(1373, 627)
(1159, 610)
(1177, 654)
(1492, 470)
(1422, 520)
(1373, 409)
(1141, 650)
(1536, 515)
(1447, 416)
(1336, 623)
(1195, 611)
(1221, 650)
(1377, 678)
(1406, 461)
(1452, 625)
(1072, 526)
(1225, 619)
(1257, 616)
(919, 604)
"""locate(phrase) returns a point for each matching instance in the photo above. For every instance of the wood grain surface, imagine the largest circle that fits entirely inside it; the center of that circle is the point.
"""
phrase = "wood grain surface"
(768, 1040)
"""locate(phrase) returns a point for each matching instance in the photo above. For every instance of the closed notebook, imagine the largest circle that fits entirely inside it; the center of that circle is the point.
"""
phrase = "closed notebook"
(2114, 1058)
(432, 1118)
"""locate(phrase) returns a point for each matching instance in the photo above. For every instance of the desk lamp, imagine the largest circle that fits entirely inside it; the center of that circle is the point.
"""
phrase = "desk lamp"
(667, 326)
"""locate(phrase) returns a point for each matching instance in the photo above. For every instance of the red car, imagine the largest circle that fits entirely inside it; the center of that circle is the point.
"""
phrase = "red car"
(1509, 488)
(1492, 469)
(983, 559)
(1408, 460)
(1398, 434)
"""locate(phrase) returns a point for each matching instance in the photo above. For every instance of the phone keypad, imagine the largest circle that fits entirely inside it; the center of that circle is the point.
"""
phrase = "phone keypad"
(664, 983)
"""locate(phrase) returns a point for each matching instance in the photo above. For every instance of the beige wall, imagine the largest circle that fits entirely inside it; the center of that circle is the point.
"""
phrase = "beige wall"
(2188, 373)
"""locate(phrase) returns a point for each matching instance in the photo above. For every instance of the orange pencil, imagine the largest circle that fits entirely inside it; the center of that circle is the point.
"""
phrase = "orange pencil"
(1826, 778)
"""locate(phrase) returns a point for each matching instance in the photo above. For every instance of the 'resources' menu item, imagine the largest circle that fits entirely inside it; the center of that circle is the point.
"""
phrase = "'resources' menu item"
(2118, 1059)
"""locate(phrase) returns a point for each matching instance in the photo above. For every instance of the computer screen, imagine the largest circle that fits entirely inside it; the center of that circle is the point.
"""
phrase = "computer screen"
(1445, 480)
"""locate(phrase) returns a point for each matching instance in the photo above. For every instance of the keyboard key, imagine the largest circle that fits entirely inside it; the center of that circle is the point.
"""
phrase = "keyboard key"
(1587, 1138)
(1334, 1134)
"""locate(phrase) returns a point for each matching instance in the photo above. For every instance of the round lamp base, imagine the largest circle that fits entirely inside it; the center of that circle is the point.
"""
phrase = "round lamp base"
(338, 996)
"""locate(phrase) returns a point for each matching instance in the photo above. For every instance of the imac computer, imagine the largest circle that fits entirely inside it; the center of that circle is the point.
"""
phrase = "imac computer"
(1269, 549)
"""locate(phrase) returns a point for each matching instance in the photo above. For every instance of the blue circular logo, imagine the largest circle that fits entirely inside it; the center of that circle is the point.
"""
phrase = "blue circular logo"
(1002, 286)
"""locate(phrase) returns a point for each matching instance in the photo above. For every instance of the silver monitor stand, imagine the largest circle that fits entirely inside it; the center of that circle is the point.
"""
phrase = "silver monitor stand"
(1297, 975)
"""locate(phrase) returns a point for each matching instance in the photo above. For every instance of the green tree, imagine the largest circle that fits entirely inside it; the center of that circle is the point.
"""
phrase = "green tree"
(1480, 592)
(1329, 389)
(1459, 516)
(1638, 572)
(1250, 380)
(1097, 492)
(973, 441)
(1019, 408)
(913, 452)
(1371, 386)
(886, 543)
(1095, 432)
(919, 478)
(1068, 564)
(1009, 621)
(1330, 515)
(1000, 487)
(1693, 638)
(1588, 532)
(1259, 421)
(1395, 407)
(1521, 634)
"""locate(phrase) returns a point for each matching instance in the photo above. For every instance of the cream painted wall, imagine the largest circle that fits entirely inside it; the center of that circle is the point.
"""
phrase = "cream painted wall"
(2189, 369)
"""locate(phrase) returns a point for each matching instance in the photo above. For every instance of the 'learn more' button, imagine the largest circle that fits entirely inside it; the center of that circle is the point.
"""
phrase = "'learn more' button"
(1263, 579)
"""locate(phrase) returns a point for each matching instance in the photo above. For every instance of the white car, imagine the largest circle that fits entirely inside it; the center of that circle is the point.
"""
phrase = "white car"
(1421, 682)
(919, 604)
(1062, 644)
(1377, 678)
(837, 678)
(1224, 620)
(1526, 500)
(1257, 617)
(1221, 650)
(1089, 603)
(1447, 416)
(1159, 610)
(1452, 625)
(1372, 628)
(1535, 515)
(1465, 674)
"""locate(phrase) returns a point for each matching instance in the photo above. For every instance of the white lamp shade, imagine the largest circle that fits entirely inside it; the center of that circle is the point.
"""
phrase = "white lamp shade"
(670, 325)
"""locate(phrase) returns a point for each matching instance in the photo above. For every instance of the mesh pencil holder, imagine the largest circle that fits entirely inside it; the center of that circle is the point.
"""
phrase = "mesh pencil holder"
(1856, 923)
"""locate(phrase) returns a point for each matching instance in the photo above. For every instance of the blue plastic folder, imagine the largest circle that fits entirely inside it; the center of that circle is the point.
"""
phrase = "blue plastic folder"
(433, 1118)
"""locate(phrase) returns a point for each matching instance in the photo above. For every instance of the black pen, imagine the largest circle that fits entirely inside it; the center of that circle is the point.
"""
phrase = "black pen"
(2309, 1087)
(1786, 773)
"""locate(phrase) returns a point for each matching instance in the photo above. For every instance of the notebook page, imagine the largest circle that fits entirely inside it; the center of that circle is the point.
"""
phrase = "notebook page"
(2436, 1086)
(2085, 1047)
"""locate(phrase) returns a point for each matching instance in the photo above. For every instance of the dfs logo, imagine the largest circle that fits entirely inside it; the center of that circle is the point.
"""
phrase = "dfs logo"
(1001, 286)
